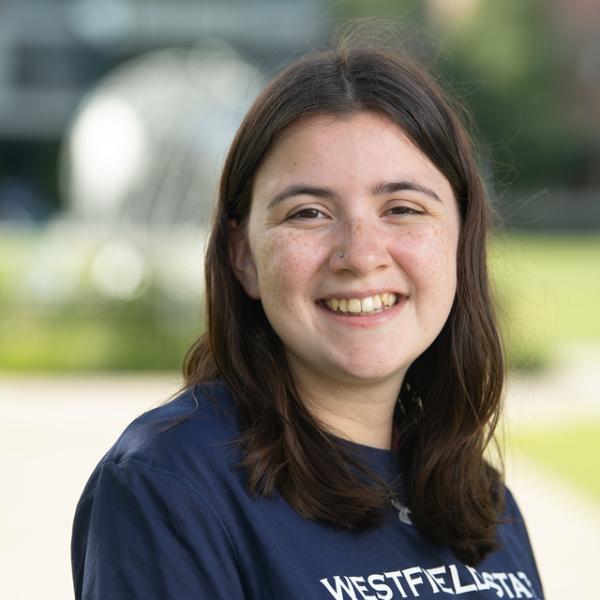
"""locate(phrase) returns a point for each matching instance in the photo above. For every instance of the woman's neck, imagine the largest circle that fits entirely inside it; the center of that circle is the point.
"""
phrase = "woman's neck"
(362, 413)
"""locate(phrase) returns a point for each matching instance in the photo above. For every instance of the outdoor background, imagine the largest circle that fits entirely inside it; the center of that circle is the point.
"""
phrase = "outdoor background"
(115, 116)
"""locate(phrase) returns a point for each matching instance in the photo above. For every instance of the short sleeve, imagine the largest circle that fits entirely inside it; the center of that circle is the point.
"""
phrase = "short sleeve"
(141, 532)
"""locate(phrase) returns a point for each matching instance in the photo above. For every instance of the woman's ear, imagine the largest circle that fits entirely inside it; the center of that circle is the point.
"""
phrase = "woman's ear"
(241, 259)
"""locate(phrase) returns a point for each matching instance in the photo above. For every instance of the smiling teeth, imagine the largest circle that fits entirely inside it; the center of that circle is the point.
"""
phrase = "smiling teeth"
(358, 306)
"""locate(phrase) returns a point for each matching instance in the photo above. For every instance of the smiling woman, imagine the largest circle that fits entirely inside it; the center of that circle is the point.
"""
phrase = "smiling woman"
(329, 440)
(343, 235)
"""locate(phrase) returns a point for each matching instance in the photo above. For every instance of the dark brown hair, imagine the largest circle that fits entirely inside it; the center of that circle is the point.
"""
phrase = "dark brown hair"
(450, 398)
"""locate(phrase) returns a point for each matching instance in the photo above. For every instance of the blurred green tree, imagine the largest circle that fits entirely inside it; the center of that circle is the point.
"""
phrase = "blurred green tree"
(509, 65)
(513, 70)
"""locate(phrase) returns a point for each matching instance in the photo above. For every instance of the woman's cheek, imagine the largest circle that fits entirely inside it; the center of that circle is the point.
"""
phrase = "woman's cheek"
(428, 257)
(441, 280)
(282, 265)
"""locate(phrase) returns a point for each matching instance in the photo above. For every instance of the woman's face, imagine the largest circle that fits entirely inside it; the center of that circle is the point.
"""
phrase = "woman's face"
(351, 248)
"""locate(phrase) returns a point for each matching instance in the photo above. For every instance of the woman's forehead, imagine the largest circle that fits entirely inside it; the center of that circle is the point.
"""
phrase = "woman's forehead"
(363, 147)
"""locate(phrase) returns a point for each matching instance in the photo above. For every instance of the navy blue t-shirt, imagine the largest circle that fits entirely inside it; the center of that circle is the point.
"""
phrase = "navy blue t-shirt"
(166, 515)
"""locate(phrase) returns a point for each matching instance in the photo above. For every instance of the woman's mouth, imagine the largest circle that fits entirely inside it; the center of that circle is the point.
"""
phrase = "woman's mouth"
(360, 307)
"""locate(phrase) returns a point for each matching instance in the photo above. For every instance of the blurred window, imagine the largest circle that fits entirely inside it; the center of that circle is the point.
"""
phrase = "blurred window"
(56, 66)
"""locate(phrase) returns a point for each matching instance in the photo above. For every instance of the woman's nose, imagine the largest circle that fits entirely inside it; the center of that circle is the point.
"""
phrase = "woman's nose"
(361, 249)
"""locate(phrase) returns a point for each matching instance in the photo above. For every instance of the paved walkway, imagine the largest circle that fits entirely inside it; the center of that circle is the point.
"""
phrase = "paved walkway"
(55, 429)
(564, 524)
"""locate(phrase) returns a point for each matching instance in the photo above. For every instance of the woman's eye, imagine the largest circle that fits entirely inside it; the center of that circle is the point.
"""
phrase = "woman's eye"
(306, 213)
(404, 210)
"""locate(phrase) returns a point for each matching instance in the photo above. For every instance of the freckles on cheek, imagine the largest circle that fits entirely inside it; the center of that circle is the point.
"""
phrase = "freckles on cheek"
(282, 269)
(443, 274)
(433, 258)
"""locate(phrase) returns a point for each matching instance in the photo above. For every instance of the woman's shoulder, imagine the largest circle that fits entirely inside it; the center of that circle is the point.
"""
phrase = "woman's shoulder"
(512, 529)
(199, 423)
(512, 515)
(156, 499)
(513, 538)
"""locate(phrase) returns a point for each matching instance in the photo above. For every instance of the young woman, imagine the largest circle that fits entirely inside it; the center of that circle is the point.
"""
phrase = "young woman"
(329, 441)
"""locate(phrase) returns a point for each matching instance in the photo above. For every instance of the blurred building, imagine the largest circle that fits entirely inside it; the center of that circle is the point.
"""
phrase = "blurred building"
(53, 51)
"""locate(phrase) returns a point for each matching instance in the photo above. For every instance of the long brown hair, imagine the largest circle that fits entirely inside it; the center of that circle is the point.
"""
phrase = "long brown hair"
(450, 399)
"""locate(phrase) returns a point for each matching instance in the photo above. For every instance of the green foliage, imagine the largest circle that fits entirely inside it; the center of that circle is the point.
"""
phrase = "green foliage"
(102, 338)
(512, 69)
(510, 60)
(52, 318)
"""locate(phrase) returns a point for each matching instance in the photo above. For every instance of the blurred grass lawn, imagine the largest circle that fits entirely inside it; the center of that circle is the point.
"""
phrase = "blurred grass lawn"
(569, 451)
(548, 287)
(44, 328)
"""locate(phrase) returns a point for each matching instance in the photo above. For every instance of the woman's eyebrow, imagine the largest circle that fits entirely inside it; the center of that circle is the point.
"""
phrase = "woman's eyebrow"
(385, 187)
(299, 190)
(390, 187)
